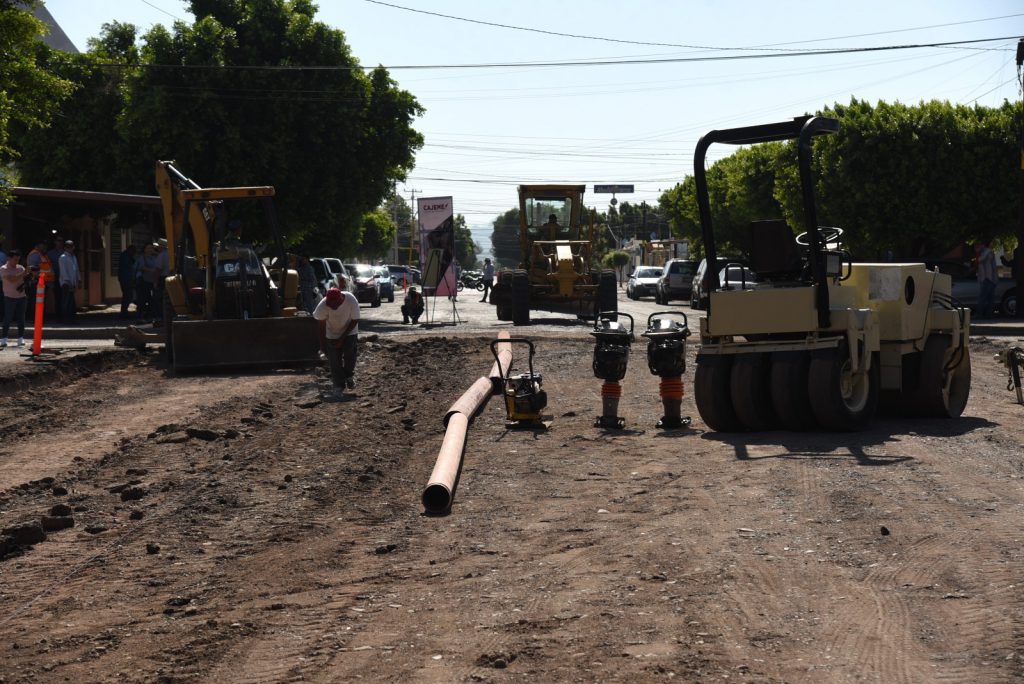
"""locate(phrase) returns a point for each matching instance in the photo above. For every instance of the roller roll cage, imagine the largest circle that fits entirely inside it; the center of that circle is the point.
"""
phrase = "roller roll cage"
(802, 129)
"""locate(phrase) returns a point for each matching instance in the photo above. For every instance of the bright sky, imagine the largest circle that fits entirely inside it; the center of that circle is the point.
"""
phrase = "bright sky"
(488, 129)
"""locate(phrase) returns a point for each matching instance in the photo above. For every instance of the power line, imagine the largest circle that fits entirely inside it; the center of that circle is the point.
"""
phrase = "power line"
(568, 63)
(161, 9)
(606, 39)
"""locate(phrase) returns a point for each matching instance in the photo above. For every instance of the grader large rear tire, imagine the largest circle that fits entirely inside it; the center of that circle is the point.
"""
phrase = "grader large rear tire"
(751, 394)
(711, 384)
(501, 296)
(942, 392)
(841, 400)
(607, 301)
(520, 298)
(789, 390)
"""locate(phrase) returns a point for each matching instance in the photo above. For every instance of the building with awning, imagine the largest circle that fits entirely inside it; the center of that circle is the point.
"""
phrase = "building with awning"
(101, 224)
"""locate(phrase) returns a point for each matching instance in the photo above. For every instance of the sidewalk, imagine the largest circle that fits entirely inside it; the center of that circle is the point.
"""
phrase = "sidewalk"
(96, 324)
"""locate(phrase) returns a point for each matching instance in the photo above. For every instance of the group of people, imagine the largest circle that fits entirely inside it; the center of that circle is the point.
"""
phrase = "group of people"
(61, 274)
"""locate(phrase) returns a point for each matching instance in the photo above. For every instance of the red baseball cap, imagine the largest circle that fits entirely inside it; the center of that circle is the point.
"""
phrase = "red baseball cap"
(333, 298)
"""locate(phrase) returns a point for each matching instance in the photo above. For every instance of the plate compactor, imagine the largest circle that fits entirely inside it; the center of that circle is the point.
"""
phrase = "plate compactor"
(524, 398)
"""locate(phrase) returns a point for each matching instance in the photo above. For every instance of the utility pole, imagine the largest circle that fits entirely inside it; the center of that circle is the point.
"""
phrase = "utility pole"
(394, 222)
(1018, 253)
(412, 226)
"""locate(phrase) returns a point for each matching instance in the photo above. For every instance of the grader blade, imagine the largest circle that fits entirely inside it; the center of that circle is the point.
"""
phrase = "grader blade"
(238, 343)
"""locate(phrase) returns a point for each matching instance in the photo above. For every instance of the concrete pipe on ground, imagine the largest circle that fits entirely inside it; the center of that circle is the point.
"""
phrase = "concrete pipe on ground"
(437, 497)
(470, 402)
(440, 490)
(505, 359)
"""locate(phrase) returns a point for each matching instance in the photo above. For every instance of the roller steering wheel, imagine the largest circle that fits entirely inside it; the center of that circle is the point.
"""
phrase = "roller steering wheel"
(828, 234)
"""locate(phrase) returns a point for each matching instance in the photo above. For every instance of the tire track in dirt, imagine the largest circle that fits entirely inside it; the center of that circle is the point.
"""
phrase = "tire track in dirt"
(596, 553)
(901, 598)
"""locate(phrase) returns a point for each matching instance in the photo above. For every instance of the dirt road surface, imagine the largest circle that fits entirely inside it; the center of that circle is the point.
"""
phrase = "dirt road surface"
(251, 528)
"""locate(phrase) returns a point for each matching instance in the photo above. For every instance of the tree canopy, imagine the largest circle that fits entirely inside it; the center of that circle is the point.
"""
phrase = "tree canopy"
(229, 99)
(505, 239)
(913, 181)
(29, 92)
(465, 248)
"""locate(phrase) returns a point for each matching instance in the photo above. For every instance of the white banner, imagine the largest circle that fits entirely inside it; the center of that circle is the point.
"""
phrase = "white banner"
(437, 245)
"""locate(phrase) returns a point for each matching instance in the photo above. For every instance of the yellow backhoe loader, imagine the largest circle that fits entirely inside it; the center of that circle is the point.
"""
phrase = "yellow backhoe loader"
(223, 307)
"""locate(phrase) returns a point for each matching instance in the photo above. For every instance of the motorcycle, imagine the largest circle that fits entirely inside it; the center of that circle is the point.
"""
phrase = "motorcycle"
(471, 279)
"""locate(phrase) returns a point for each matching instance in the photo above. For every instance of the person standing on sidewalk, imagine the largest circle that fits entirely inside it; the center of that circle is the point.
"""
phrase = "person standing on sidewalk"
(70, 281)
(126, 278)
(338, 314)
(39, 263)
(488, 278)
(15, 280)
(54, 256)
(985, 268)
(146, 273)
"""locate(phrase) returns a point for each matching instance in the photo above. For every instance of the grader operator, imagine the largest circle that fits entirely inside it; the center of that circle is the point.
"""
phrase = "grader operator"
(223, 307)
(821, 341)
(556, 257)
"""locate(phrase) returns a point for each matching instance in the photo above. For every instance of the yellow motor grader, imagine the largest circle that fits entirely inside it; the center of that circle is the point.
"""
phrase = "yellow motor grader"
(223, 307)
(821, 341)
(556, 263)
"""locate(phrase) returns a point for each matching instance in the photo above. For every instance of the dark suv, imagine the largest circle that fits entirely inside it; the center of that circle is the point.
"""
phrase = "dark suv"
(698, 294)
(676, 281)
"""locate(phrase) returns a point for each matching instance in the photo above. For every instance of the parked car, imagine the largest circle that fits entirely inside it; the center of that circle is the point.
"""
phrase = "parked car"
(736, 277)
(387, 285)
(966, 288)
(643, 282)
(401, 273)
(698, 295)
(367, 286)
(676, 281)
(327, 270)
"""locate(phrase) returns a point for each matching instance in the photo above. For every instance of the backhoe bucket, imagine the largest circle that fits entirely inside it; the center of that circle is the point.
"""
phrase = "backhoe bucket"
(244, 343)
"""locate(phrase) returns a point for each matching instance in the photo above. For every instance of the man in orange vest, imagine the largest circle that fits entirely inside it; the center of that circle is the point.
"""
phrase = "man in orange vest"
(39, 263)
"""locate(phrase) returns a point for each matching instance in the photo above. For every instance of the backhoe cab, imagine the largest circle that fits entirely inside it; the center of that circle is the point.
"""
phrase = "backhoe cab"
(223, 307)
(556, 256)
(822, 341)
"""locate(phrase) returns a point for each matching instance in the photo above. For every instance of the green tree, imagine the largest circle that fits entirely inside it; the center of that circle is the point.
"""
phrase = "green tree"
(465, 248)
(228, 98)
(616, 259)
(401, 213)
(741, 189)
(913, 181)
(377, 235)
(918, 180)
(29, 93)
(505, 240)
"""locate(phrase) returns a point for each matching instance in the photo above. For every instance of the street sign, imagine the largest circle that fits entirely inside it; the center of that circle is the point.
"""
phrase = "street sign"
(613, 188)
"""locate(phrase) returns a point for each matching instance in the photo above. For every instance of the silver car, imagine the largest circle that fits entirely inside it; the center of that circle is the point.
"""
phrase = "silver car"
(966, 288)
(643, 282)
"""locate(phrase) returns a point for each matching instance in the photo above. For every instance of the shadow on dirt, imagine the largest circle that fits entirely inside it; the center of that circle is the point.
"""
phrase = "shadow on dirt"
(754, 446)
